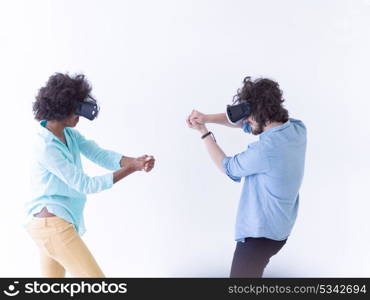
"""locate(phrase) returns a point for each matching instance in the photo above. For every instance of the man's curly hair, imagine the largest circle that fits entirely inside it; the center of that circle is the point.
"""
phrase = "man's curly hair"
(265, 99)
(58, 98)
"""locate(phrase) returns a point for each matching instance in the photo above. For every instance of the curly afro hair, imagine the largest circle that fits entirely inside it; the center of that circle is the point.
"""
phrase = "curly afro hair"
(265, 99)
(58, 98)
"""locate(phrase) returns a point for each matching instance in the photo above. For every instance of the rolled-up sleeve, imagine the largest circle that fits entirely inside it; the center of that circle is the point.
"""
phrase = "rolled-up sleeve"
(252, 161)
(58, 164)
(107, 159)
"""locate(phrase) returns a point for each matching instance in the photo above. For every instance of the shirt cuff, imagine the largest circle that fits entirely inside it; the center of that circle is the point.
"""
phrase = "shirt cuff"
(117, 158)
(225, 165)
(108, 181)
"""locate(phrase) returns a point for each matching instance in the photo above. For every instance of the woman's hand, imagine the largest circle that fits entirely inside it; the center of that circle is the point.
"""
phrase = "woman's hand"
(144, 162)
(130, 165)
(148, 162)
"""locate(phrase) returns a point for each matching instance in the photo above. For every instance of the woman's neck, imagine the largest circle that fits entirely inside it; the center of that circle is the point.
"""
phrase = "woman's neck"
(56, 127)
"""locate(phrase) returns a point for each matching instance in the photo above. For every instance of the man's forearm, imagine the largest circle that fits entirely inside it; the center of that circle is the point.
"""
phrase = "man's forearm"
(220, 119)
(214, 150)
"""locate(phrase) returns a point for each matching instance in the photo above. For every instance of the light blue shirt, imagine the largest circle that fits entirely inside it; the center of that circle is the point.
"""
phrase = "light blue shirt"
(273, 170)
(57, 178)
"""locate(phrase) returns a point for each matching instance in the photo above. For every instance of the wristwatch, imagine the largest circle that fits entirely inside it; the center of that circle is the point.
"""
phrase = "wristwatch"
(207, 134)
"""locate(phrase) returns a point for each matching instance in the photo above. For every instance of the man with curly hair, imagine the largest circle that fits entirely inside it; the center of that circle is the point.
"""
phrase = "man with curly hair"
(59, 186)
(272, 169)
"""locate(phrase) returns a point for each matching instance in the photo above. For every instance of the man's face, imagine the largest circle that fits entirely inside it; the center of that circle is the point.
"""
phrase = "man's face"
(256, 129)
(72, 120)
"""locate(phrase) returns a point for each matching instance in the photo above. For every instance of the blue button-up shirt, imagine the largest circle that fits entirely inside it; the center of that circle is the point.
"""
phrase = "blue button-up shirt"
(57, 178)
(273, 171)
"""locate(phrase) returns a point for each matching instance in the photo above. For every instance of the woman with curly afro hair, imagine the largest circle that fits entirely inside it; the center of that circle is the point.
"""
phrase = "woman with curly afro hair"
(272, 169)
(59, 185)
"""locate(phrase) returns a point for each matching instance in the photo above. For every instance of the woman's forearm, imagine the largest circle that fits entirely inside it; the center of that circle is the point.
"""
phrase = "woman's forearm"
(220, 119)
(125, 160)
(122, 173)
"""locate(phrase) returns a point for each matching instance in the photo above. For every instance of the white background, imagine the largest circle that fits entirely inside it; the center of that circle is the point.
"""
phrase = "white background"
(151, 63)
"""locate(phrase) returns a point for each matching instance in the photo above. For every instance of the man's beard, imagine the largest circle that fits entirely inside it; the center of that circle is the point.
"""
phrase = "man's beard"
(258, 130)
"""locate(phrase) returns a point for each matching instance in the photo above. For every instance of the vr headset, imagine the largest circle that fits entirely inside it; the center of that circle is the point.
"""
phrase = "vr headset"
(87, 108)
(236, 113)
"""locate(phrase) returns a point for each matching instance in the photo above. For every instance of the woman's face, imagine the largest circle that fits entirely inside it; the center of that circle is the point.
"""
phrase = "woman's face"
(72, 120)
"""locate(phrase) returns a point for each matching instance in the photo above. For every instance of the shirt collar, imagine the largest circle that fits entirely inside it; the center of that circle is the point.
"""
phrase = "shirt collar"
(276, 128)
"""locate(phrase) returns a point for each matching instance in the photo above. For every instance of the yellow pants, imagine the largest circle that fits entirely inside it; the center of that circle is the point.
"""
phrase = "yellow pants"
(62, 249)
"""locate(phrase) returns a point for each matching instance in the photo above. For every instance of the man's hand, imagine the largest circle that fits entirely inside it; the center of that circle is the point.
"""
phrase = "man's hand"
(198, 117)
(196, 120)
(220, 119)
